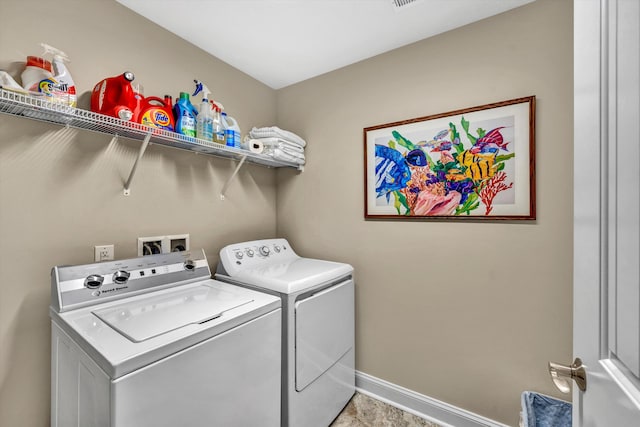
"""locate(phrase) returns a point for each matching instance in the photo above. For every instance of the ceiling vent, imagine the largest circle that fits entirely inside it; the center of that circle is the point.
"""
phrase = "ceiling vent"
(401, 4)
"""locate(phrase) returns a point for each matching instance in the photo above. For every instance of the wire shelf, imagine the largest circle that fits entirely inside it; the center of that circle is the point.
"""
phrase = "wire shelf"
(38, 108)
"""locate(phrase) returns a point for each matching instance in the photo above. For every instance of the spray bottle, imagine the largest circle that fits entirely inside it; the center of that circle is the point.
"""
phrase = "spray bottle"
(63, 86)
(204, 121)
(218, 127)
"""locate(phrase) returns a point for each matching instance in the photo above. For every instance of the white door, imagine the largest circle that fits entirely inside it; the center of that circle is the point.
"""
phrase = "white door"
(607, 211)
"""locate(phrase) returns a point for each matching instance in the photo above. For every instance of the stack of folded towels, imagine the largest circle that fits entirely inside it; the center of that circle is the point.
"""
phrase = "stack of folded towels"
(279, 144)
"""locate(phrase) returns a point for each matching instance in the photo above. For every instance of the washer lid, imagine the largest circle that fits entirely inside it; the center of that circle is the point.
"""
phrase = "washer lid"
(294, 275)
(156, 315)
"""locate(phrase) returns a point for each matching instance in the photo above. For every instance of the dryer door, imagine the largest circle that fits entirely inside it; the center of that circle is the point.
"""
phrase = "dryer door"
(324, 331)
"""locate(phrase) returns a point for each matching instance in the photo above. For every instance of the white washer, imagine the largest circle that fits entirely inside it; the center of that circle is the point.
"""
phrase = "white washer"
(154, 341)
(318, 324)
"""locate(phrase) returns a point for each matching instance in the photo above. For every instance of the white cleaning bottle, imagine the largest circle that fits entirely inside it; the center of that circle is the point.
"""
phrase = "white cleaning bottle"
(232, 131)
(63, 88)
(204, 120)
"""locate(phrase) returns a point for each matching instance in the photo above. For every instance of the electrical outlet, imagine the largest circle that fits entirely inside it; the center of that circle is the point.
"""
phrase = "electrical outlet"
(103, 253)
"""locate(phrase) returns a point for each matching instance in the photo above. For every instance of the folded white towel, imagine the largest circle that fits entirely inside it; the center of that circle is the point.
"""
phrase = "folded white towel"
(280, 143)
(276, 132)
(270, 149)
(281, 155)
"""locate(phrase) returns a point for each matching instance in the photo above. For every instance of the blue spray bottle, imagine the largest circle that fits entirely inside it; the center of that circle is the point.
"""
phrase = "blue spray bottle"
(185, 115)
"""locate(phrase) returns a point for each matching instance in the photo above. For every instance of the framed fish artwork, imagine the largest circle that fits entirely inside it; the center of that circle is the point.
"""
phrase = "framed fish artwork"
(474, 163)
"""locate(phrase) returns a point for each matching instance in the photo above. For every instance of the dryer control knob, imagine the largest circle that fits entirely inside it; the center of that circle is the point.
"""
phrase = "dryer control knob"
(239, 255)
(189, 265)
(94, 281)
(264, 251)
(121, 277)
(249, 252)
(277, 248)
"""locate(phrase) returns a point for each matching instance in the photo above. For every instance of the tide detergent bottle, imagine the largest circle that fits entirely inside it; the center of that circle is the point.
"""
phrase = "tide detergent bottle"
(156, 113)
(185, 115)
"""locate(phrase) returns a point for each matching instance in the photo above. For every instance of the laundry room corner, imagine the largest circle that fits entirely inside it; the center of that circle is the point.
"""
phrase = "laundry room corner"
(61, 189)
(466, 312)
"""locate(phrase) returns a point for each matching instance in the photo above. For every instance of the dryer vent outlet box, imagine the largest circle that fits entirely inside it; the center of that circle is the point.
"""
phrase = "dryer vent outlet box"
(162, 244)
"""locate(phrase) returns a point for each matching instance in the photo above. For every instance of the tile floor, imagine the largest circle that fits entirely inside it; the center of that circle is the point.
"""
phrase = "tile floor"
(363, 411)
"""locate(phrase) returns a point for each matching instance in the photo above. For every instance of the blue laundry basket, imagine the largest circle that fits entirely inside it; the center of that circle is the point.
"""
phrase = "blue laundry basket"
(539, 410)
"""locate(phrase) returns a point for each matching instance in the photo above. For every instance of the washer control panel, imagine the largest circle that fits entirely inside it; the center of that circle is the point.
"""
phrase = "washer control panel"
(82, 285)
(255, 253)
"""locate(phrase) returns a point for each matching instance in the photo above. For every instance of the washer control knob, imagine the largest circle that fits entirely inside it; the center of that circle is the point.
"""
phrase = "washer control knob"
(249, 252)
(121, 277)
(276, 248)
(93, 282)
(239, 255)
(189, 265)
(264, 251)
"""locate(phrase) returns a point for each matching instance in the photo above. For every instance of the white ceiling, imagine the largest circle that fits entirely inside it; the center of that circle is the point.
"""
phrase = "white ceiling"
(281, 42)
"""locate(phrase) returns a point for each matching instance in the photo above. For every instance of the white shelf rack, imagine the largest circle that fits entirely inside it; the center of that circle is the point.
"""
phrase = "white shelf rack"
(36, 108)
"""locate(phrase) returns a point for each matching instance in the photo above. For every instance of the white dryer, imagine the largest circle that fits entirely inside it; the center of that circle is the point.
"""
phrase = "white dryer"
(155, 342)
(318, 324)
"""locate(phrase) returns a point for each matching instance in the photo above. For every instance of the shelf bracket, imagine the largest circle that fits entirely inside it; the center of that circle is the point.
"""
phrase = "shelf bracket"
(145, 143)
(233, 175)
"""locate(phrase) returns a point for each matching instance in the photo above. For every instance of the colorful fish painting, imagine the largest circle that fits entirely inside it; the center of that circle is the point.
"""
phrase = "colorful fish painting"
(457, 180)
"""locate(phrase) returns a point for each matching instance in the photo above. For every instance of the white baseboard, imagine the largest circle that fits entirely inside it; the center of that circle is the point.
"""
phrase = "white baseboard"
(420, 405)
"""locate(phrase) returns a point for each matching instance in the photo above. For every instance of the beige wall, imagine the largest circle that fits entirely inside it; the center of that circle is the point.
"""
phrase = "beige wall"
(468, 313)
(465, 312)
(61, 191)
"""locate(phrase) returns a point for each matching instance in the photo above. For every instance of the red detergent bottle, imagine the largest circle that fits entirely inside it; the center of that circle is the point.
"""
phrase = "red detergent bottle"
(156, 113)
(114, 96)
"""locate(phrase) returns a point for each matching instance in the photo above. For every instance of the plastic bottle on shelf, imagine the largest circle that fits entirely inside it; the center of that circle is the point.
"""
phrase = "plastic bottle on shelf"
(223, 125)
(156, 113)
(232, 131)
(185, 115)
(218, 129)
(204, 121)
(168, 100)
(115, 96)
(36, 70)
(62, 87)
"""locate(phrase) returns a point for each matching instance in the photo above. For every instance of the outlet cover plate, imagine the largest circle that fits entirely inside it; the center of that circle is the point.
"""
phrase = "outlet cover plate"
(103, 253)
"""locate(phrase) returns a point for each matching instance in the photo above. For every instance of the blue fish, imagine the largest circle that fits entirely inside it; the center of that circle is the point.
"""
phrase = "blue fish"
(417, 157)
(392, 171)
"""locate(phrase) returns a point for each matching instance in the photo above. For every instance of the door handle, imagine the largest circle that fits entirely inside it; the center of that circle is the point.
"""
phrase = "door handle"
(562, 374)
